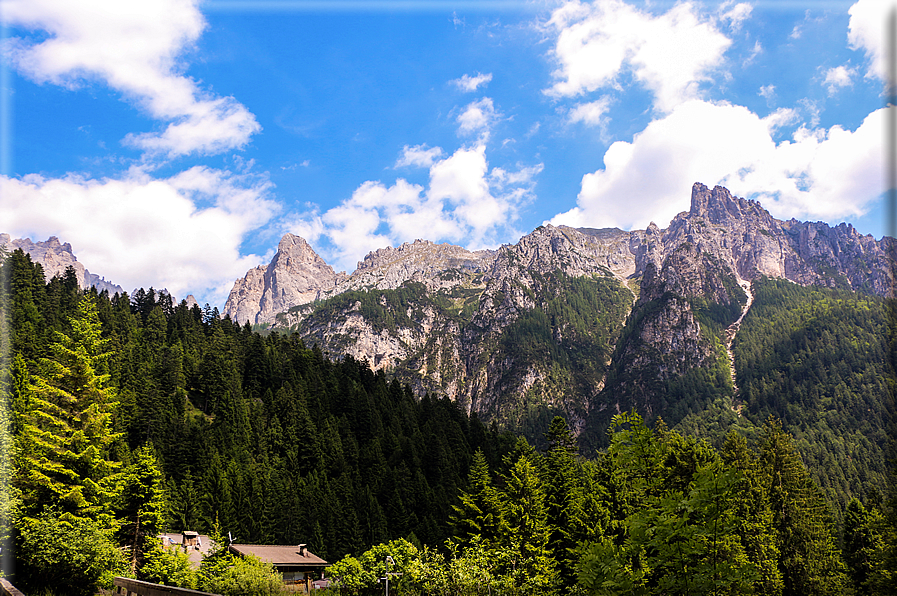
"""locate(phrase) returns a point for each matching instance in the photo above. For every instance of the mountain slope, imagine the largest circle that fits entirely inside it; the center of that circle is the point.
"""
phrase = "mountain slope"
(583, 322)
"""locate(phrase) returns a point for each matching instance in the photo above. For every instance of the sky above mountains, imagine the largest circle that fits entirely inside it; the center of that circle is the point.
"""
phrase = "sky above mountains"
(173, 142)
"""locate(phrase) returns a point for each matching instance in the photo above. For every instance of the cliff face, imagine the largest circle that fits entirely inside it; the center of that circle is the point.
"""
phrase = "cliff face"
(55, 257)
(296, 275)
(583, 322)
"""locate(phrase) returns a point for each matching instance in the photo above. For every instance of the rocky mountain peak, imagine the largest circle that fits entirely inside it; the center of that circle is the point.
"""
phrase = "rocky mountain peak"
(54, 257)
(717, 205)
(296, 275)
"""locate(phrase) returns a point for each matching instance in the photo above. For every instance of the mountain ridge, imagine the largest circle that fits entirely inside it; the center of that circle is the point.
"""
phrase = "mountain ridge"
(803, 252)
(581, 322)
(55, 257)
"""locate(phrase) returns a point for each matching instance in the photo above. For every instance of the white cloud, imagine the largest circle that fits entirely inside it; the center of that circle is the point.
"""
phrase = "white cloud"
(811, 107)
(866, 31)
(477, 119)
(592, 112)
(468, 83)
(837, 78)
(768, 92)
(418, 156)
(817, 174)
(781, 118)
(181, 233)
(465, 203)
(670, 54)
(755, 51)
(736, 15)
(133, 47)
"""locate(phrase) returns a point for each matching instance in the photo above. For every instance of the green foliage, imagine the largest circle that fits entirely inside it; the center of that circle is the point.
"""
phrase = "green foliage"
(170, 567)
(69, 554)
(679, 535)
(863, 541)
(366, 571)
(809, 561)
(480, 514)
(231, 575)
(142, 504)
(818, 359)
(66, 424)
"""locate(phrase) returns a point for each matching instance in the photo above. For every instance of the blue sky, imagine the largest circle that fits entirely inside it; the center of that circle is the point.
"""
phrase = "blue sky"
(173, 142)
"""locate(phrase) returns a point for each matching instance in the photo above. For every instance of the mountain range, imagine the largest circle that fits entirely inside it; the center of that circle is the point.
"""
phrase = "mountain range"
(712, 324)
(572, 321)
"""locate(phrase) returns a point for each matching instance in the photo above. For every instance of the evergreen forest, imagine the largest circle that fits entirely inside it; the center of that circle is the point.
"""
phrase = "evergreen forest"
(127, 416)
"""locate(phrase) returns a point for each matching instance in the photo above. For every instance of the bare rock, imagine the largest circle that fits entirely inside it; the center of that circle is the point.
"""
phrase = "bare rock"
(55, 257)
(296, 275)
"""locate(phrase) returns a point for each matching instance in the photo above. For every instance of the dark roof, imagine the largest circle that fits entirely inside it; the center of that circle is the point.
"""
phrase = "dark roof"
(280, 555)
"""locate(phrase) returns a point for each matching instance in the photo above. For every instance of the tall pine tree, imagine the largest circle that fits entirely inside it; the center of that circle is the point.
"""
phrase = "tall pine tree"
(66, 425)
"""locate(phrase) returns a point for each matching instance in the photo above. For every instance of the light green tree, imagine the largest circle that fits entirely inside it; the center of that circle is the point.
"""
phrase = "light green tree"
(142, 504)
(169, 567)
(527, 530)
(70, 555)
(66, 420)
(479, 514)
(681, 533)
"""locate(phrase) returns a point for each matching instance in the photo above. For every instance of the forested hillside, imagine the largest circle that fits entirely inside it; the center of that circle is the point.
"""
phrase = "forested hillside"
(260, 437)
(822, 361)
(132, 415)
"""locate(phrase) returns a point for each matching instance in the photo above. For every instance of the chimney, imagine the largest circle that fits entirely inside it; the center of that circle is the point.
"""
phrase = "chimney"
(303, 551)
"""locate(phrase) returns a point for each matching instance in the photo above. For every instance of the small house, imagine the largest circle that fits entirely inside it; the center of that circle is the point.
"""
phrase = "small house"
(296, 563)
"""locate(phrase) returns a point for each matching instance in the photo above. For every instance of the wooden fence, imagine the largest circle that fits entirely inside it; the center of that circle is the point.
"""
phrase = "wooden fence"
(7, 589)
(132, 587)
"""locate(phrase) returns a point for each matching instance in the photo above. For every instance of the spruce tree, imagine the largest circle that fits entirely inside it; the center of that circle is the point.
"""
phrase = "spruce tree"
(66, 425)
(809, 560)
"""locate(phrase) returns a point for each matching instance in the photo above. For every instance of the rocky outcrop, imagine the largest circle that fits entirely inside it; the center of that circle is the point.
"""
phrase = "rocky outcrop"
(55, 257)
(753, 243)
(296, 275)
(437, 266)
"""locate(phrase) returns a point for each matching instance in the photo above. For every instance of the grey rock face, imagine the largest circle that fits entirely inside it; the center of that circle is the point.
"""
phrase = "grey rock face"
(437, 266)
(296, 275)
(55, 257)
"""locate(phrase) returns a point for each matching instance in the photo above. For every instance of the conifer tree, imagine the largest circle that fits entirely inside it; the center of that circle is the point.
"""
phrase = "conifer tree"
(862, 540)
(143, 504)
(480, 512)
(809, 560)
(527, 529)
(66, 425)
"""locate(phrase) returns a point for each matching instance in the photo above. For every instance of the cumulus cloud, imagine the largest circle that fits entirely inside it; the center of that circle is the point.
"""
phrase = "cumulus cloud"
(477, 119)
(134, 48)
(866, 32)
(592, 112)
(468, 83)
(670, 54)
(181, 233)
(837, 78)
(816, 174)
(464, 202)
(419, 156)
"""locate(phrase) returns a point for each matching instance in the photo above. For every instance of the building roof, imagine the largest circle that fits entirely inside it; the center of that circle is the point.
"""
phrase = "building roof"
(281, 555)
